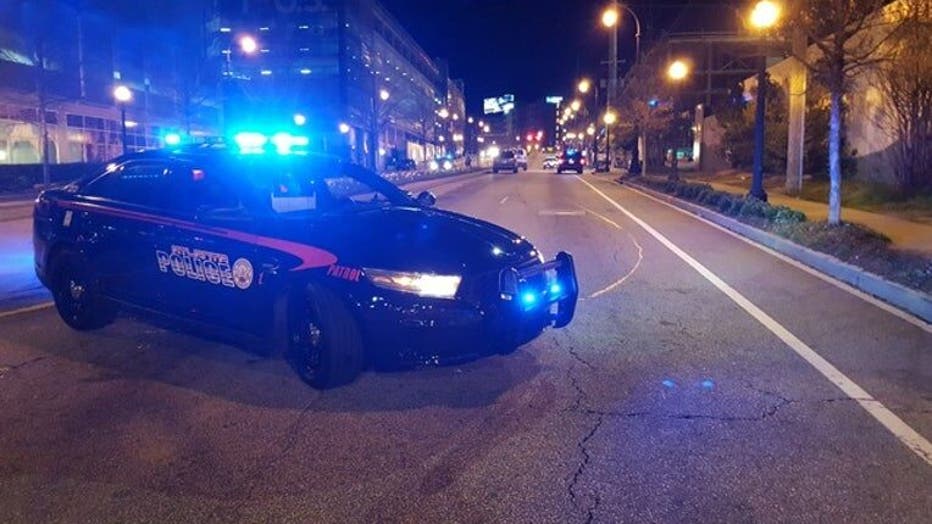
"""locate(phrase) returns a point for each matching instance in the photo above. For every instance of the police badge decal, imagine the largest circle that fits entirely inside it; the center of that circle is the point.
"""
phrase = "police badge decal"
(242, 273)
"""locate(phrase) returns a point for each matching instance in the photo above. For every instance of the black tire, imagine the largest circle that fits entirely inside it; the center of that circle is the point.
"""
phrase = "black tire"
(515, 170)
(327, 349)
(75, 290)
(559, 171)
(579, 171)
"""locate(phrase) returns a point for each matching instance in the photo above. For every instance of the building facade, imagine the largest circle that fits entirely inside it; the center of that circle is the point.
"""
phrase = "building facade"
(363, 88)
(59, 66)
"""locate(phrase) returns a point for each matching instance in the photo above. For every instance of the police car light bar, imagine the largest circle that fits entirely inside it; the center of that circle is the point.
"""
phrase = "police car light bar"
(254, 143)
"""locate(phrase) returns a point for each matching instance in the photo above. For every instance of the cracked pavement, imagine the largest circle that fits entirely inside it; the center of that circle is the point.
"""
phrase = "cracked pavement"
(661, 402)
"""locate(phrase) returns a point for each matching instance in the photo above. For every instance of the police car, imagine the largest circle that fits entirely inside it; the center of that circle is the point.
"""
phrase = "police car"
(321, 260)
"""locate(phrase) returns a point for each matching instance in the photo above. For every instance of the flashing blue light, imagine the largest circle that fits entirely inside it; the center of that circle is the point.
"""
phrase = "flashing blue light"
(172, 139)
(286, 142)
(653, 102)
(708, 384)
(555, 288)
(669, 384)
(250, 142)
(528, 298)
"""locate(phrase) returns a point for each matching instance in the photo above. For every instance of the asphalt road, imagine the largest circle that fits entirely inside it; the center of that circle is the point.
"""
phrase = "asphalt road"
(702, 380)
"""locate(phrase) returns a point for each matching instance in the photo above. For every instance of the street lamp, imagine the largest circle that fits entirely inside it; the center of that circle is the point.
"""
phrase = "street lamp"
(609, 119)
(248, 44)
(123, 96)
(764, 16)
(299, 119)
(444, 113)
(610, 16)
(344, 128)
(384, 95)
(584, 86)
(678, 70)
(575, 105)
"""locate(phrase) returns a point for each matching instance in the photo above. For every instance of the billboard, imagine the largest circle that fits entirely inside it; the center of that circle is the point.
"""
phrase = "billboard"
(555, 100)
(502, 104)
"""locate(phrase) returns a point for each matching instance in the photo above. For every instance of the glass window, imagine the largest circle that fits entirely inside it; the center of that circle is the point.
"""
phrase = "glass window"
(75, 120)
(197, 188)
(141, 183)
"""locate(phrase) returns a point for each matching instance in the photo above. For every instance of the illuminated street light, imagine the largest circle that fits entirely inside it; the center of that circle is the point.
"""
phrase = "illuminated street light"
(610, 117)
(584, 85)
(576, 105)
(456, 116)
(765, 14)
(299, 119)
(248, 44)
(591, 130)
(470, 120)
(487, 129)
(123, 95)
(678, 70)
(443, 113)
(384, 95)
(344, 128)
(610, 17)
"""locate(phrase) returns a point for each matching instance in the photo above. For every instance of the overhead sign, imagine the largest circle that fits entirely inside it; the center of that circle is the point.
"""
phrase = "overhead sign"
(502, 104)
(555, 100)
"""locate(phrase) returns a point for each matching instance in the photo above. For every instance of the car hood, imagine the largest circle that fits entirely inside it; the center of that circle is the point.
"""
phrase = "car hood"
(418, 239)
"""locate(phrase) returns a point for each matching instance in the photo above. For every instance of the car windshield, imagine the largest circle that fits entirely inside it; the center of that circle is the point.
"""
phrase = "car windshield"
(297, 186)
(507, 155)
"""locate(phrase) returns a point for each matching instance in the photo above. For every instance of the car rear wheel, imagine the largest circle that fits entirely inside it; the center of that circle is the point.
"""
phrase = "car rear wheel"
(327, 348)
(76, 295)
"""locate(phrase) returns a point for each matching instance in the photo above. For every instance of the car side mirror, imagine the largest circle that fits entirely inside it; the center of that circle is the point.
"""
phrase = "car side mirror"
(426, 199)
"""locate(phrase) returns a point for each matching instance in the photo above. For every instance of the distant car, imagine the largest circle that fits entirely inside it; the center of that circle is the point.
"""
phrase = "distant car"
(521, 158)
(572, 161)
(505, 161)
(551, 162)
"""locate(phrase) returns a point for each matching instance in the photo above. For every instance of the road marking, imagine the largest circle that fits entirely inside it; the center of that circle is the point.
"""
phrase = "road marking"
(503, 200)
(560, 213)
(894, 424)
(37, 307)
(918, 322)
(637, 264)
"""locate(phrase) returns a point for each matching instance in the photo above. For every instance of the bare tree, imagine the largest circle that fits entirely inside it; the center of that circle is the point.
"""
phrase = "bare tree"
(906, 83)
(850, 36)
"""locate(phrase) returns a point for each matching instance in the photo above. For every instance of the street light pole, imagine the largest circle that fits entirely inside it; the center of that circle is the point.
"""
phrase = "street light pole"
(123, 125)
(123, 95)
(757, 176)
(765, 15)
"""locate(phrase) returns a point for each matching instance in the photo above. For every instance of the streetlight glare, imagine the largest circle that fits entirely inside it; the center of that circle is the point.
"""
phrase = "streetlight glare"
(584, 85)
(765, 14)
(122, 94)
(384, 94)
(299, 119)
(576, 105)
(610, 118)
(444, 113)
(248, 44)
(344, 128)
(678, 70)
(610, 17)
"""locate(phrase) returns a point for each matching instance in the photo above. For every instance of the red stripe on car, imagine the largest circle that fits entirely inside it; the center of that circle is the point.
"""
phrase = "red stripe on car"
(310, 256)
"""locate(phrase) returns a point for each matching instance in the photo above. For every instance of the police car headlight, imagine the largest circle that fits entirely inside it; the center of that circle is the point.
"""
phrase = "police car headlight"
(421, 284)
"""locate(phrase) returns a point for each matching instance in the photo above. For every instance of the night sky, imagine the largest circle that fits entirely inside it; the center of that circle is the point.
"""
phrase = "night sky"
(535, 48)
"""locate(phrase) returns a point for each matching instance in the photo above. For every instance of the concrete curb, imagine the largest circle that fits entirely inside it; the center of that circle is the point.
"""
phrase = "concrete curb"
(912, 301)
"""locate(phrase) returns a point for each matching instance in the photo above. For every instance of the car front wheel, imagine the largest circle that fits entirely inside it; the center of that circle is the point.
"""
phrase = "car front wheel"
(327, 349)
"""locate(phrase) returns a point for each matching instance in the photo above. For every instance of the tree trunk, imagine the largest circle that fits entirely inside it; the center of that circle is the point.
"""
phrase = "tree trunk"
(834, 158)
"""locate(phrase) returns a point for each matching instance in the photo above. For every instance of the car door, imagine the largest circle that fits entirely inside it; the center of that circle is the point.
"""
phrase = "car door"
(122, 208)
(211, 252)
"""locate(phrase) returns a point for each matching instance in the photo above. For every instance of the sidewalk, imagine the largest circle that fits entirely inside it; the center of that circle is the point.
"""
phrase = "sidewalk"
(906, 235)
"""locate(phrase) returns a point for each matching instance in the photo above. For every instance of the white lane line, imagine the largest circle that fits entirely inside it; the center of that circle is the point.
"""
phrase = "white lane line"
(560, 213)
(637, 264)
(29, 309)
(503, 200)
(918, 322)
(894, 424)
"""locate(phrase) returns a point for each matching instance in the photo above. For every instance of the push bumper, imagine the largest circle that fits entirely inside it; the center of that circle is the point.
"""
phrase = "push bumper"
(550, 287)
